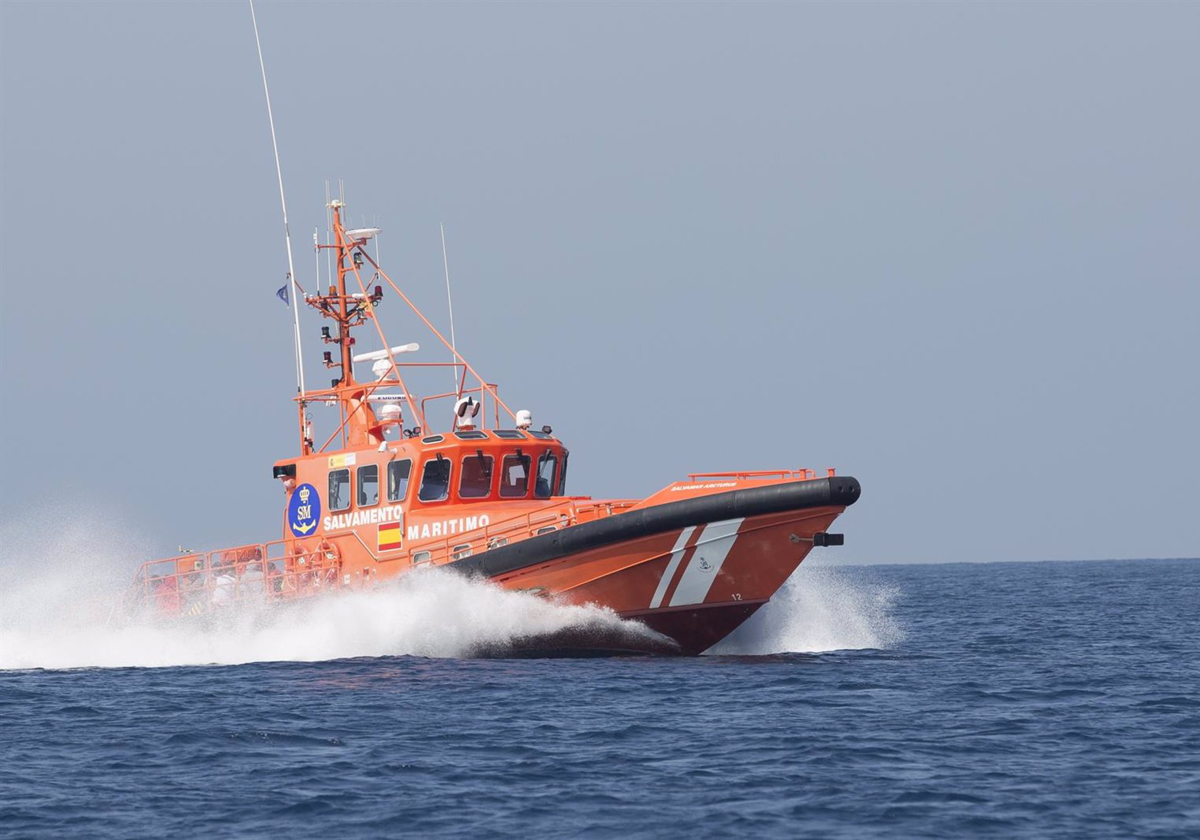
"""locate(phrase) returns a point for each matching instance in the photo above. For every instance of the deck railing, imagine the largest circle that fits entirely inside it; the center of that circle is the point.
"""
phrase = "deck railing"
(800, 474)
(198, 583)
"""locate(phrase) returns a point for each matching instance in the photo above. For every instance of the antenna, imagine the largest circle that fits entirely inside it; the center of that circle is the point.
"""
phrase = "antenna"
(317, 257)
(450, 304)
(328, 235)
(283, 203)
(376, 226)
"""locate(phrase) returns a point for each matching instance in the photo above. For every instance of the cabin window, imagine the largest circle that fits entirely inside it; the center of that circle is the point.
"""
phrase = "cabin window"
(476, 481)
(397, 478)
(545, 476)
(339, 489)
(368, 485)
(435, 481)
(421, 557)
(562, 476)
(514, 476)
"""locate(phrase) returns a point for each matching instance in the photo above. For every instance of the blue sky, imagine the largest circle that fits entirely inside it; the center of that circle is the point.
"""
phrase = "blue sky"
(949, 249)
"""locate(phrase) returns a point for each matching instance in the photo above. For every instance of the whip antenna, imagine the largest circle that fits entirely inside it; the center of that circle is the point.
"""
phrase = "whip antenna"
(450, 304)
(283, 203)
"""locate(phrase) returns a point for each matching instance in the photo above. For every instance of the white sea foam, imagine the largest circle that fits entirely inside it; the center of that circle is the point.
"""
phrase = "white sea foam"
(57, 592)
(821, 608)
(425, 614)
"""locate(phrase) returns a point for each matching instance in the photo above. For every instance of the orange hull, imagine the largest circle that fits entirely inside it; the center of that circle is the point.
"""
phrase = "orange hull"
(685, 569)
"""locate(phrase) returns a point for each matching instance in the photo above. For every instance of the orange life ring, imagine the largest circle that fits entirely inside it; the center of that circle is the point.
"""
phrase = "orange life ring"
(329, 551)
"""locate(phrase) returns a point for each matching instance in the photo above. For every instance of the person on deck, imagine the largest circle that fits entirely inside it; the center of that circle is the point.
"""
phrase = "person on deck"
(250, 584)
(224, 584)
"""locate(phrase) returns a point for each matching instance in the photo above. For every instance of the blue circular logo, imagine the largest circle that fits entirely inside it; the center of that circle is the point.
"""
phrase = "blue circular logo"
(304, 510)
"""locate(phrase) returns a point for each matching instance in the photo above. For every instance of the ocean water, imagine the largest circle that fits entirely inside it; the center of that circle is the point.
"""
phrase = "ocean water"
(998, 700)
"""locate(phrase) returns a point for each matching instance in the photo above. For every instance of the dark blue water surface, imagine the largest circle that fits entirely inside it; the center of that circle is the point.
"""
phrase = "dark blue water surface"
(1036, 699)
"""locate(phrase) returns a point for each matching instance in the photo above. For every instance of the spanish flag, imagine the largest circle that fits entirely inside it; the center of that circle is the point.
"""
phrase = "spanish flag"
(390, 536)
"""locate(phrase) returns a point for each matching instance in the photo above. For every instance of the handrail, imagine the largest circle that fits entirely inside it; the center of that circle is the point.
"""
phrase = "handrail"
(799, 474)
(525, 525)
(361, 542)
(481, 390)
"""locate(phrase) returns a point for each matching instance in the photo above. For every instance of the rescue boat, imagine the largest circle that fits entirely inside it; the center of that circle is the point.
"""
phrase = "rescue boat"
(459, 481)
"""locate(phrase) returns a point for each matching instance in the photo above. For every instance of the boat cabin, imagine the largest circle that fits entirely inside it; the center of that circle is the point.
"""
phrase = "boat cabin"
(404, 498)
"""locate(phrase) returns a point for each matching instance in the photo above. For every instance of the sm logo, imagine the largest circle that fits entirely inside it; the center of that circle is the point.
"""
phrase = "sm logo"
(304, 510)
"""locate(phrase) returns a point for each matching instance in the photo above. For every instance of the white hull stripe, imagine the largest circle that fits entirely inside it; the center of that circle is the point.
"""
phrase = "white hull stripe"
(705, 565)
(669, 575)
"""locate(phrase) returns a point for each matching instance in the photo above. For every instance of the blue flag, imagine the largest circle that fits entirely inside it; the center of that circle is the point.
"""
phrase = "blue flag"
(282, 294)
